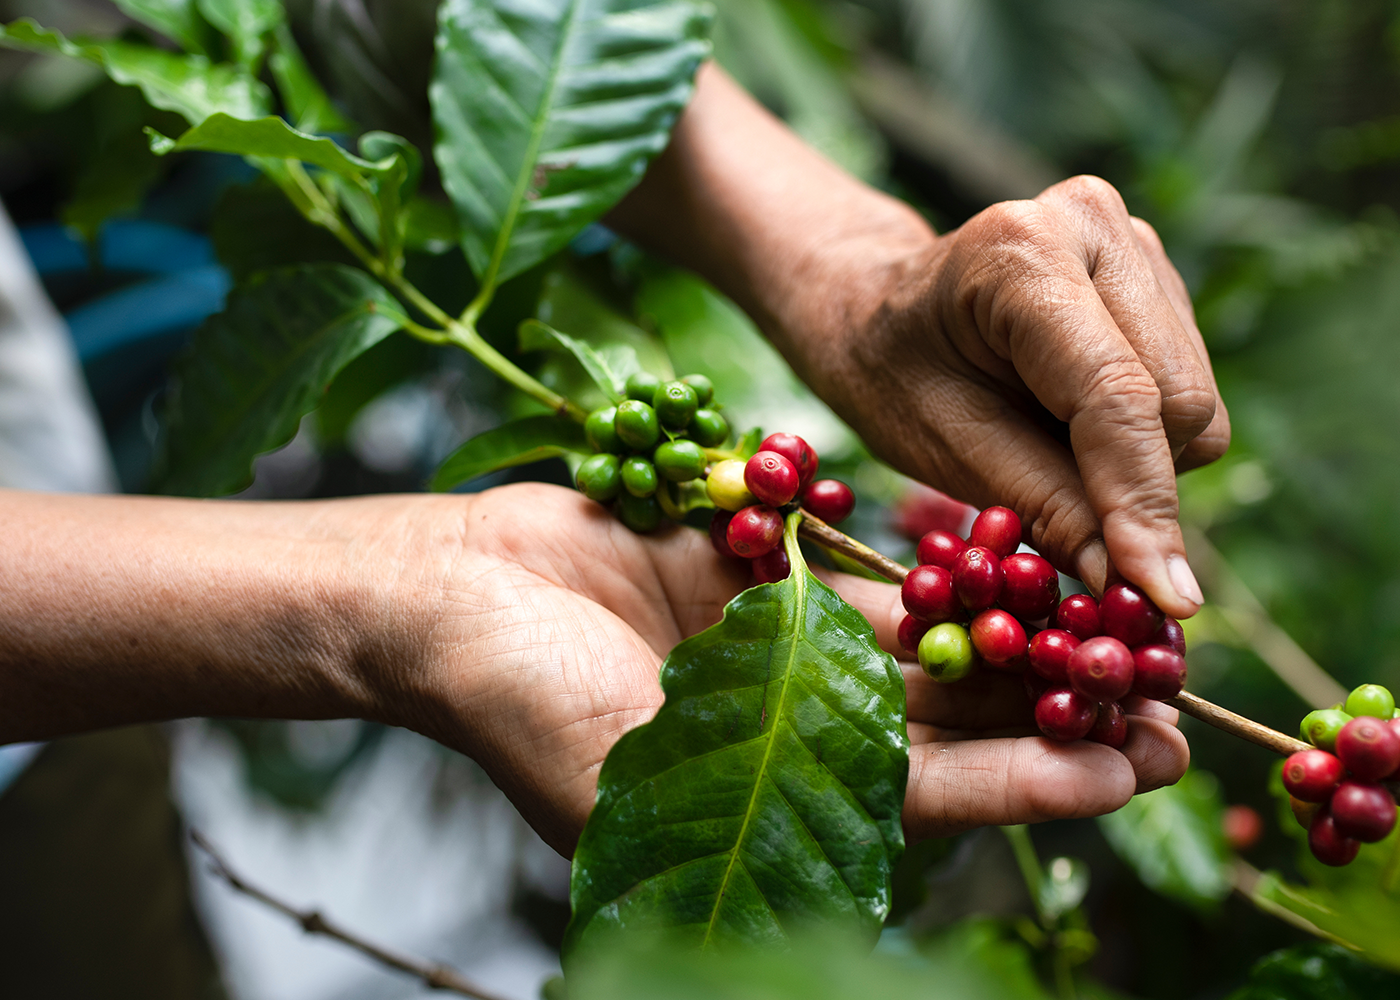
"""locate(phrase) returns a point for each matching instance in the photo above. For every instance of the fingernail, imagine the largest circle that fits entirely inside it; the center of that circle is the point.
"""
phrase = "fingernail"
(1093, 565)
(1184, 580)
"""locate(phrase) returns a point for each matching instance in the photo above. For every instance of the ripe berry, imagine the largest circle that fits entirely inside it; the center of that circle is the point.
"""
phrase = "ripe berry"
(772, 478)
(675, 403)
(1242, 827)
(945, 652)
(796, 451)
(641, 514)
(1372, 700)
(940, 548)
(638, 476)
(1049, 654)
(1312, 775)
(680, 461)
(1035, 685)
(1078, 614)
(1065, 715)
(637, 425)
(977, 578)
(1328, 844)
(829, 499)
(998, 529)
(642, 386)
(1170, 634)
(1128, 614)
(755, 531)
(1369, 749)
(599, 477)
(601, 430)
(1362, 811)
(719, 534)
(1032, 588)
(708, 428)
(1101, 669)
(997, 636)
(1111, 726)
(1320, 727)
(911, 630)
(1159, 672)
(704, 388)
(772, 568)
(725, 486)
(928, 595)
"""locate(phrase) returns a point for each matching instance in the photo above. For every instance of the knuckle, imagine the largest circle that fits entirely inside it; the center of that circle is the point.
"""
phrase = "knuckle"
(1189, 411)
(1093, 193)
(1147, 234)
(1123, 385)
(1019, 222)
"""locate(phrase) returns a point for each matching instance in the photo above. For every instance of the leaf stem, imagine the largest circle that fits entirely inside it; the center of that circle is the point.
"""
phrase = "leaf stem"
(1029, 863)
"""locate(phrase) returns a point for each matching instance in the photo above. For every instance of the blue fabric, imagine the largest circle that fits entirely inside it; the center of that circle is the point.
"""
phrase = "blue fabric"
(13, 760)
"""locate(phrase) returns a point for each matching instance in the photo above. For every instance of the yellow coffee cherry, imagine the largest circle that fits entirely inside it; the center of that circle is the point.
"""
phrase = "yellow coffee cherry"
(726, 488)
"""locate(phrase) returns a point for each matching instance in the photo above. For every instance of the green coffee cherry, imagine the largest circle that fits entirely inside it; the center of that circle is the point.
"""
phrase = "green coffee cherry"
(945, 653)
(1320, 728)
(639, 476)
(643, 386)
(680, 461)
(601, 431)
(708, 428)
(726, 488)
(637, 425)
(599, 477)
(675, 404)
(1372, 700)
(704, 388)
(641, 514)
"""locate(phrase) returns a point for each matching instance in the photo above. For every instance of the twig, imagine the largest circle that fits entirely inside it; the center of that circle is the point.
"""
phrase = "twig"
(434, 976)
(814, 529)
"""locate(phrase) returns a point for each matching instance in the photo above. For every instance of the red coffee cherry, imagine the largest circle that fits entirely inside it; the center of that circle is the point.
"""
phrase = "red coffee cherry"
(1101, 669)
(1159, 672)
(1078, 614)
(796, 451)
(719, 534)
(911, 630)
(1128, 614)
(1369, 748)
(1170, 634)
(755, 531)
(772, 478)
(977, 578)
(940, 548)
(998, 637)
(773, 567)
(1312, 775)
(1065, 715)
(1362, 811)
(998, 529)
(1032, 588)
(1111, 726)
(829, 499)
(928, 595)
(1242, 827)
(1328, 844)
(1049, 654)
(1036, 685)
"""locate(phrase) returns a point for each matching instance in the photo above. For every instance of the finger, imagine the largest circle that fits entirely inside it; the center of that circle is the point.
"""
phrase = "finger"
(1158, 752)
(1146, 707)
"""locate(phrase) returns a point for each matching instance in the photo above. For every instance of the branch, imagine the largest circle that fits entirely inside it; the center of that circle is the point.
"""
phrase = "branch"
(437, 977)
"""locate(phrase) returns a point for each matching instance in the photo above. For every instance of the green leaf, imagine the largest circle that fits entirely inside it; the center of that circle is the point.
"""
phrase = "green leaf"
(254, 370)
(189, 85)
(246, 23)
(269, 137)
(302, 94)
(529, 439)
(1173, 838)
(548, 113)
(178, 20)
(765, 795)
(114, 184)
(537, 336)
(1317, 971)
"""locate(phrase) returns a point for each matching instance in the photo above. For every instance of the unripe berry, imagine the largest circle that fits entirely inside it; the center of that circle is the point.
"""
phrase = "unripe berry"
(675, 403)
(755, 531)
(772, 568)
(996, 635)
(829, 499)
(998, 529)
(1078, 614)
(599, 477)
(945, 653)
(639, 476)
(680, 461)
(796, 451)
(725, 486)
(601, 430)
(704, 388)
(1368, 748)
(642, 386)
(1032, 589)
(1159, 672)
(641, 514)
(1312, 775)
(1050, 652)
(1128, 614)
(1101, 669)
(977, 578)
(911, 630)
(1304, 812)
(940, 548)
(1362, 811)
(1320, 727)
(1065, 715)
(719, 534)
(1170, 634)
(1372, 700)
(928, 595)
(637, 425)
(1111, 726)
(708, 428)
(1328, 844)
(772, 478)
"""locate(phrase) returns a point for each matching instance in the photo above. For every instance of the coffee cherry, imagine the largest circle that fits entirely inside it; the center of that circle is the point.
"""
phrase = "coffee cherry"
(996, 635)
(725, 486)
(772, 478)
(599, 477)
(680, 461)
(1128, 614)
(1369, 749)
(1078, 614)
(1304, 812)
(796, 451)
(911, 630)
(977, 578)
(772, 568)
(1035, 685)
(1101, 668)
(638, 476)
(945, 653)
(1159, 672)
(637, 425)
(829, 499)
(641, 514)
(642, 386)
(601, 431)
(1242, 827)
(1111, 726)
(940, 548)
(675, 403)
(928, 595)
(1362, 811)
(1320, 727)
(998, 529)
(1049, 653)
(1372, 700)
(719, 534)
(1170, 634)
(1312, 775)
(704, 388)
(1065, 715)
(708, 428)
(1328, 844)
(1032, 589)
(755, 531)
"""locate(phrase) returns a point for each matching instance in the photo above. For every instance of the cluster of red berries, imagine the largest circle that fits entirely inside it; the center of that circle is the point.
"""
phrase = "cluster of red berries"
(1337, 791)
(1089, 655)
(750, 498)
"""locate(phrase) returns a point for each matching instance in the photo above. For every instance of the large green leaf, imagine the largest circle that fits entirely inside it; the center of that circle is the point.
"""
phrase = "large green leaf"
(254, 370)
(178, 20)
(1317, 972)
(189, 85)
(765, 796)
(548, 112)
(537, 336)
(528, 439)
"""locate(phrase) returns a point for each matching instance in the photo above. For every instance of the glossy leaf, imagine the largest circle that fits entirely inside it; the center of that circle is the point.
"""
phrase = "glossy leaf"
(269, 137)
(178, 20)
(765, 795)
(253, 371)
(547, 113)
(537, 336)
(1317, 972)
(245, 22)
(519, 442)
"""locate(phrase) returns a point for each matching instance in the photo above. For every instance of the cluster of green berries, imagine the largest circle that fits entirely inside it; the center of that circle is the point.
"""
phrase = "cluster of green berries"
(658, 434)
